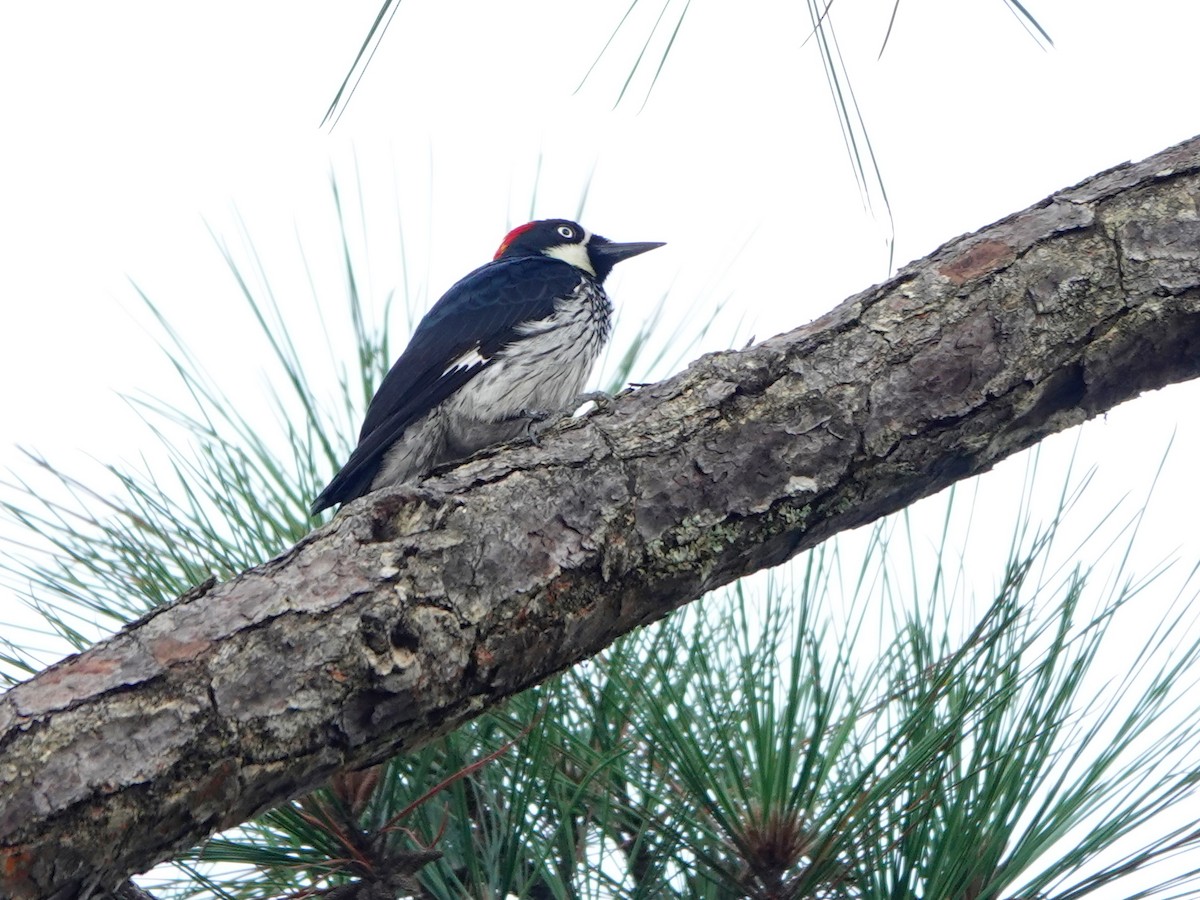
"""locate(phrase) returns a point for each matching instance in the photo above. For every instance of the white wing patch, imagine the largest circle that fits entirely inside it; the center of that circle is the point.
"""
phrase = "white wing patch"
(469, 360)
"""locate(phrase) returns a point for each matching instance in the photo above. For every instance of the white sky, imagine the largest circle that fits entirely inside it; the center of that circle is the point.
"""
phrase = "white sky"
(129, 125)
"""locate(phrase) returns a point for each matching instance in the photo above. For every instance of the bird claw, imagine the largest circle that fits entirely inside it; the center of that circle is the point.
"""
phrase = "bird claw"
(602, 401)
(537, 420)
(540, 419)
(534, 415)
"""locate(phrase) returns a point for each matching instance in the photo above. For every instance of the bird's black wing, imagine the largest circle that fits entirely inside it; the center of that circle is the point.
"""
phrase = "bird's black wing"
(472, 321)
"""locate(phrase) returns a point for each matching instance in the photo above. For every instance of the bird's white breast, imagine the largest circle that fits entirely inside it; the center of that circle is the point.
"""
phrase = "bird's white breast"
(547, 368)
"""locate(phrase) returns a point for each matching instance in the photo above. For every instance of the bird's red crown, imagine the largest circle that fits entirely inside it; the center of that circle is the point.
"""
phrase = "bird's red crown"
(512, 236)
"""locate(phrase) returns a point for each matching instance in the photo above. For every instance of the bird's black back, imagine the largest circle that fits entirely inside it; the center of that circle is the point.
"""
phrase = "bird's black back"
(483, 313)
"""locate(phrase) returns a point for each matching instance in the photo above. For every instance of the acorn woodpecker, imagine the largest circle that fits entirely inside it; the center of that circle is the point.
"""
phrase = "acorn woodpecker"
(509, 343)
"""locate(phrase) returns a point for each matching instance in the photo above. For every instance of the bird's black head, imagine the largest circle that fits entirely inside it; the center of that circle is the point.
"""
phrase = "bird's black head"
(570, 242)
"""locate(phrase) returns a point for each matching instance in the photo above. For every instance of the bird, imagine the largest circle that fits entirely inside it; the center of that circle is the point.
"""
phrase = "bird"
(506, 346)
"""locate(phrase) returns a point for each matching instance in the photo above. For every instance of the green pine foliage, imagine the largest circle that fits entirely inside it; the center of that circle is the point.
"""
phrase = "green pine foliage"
(851, 725)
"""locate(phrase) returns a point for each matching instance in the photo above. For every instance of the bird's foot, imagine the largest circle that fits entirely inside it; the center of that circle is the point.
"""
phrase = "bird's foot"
(602, 400)
(531, 415)
(536, 421)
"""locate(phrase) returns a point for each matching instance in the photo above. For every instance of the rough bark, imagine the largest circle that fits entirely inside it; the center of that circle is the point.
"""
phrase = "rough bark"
(419, 607)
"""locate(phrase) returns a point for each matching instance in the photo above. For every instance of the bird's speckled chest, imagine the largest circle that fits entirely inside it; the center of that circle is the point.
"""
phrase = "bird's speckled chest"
(547, 366)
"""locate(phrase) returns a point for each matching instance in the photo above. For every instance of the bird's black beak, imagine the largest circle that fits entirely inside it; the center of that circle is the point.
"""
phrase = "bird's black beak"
(612, 253)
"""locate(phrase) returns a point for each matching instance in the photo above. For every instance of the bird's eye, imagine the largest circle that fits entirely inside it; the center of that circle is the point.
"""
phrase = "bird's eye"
(566, 231)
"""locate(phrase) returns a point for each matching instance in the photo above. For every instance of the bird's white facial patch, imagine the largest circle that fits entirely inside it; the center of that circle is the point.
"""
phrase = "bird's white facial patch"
(575, 254)
(469, 360)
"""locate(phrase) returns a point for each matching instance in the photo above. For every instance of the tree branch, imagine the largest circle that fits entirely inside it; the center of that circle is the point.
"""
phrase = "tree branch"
(420, 606)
